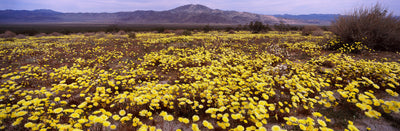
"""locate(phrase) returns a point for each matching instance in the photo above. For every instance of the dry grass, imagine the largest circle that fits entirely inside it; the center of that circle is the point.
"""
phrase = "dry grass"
(312, 30)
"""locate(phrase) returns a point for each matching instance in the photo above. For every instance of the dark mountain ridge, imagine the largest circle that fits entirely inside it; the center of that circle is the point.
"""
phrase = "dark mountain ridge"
(189, 14)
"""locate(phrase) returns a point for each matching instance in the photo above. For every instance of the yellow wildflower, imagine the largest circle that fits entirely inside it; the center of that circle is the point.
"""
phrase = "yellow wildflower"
(321, 122)
(106, 123)
(195, 127)
(113, 127)
(28, 125)
(74, 115)
(195, 118)
(240, 128)
(116, 117)
(122, 112)
(168, 118)
(21, 113)
(57, 99)
(58, 110)
(275, 128)
(208, 124)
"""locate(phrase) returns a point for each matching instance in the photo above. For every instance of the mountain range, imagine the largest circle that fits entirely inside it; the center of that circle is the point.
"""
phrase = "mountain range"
(189, 14)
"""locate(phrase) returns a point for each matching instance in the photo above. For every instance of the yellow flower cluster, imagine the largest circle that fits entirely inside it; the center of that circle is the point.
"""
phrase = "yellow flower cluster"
(337, 44)
(207, 81)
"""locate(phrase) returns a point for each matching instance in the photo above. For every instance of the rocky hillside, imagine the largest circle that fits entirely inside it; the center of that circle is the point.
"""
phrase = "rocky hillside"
(184, 14)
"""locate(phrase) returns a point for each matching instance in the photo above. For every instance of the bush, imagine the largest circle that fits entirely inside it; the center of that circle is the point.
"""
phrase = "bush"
(187, 33)
(20, 36)
(227, 29)
(64, 31)
(30, 32)
(183, 32)
(160, 29)
(55, 34)
(121, 32)
(40, 35)
(257, 27)
(100, 34)
(89, 34)
(374, 27)
(207, 28)
(112, 28)
(132, 35)
(312, 30)
(282, 27)
(318, 33)
(8, 34)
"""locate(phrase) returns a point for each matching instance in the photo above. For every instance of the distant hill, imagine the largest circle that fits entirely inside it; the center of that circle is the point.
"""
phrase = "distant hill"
(25, 16)
(321, 19)
(192, 14)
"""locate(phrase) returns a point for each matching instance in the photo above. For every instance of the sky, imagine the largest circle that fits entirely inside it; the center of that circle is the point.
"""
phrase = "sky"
(254, 6)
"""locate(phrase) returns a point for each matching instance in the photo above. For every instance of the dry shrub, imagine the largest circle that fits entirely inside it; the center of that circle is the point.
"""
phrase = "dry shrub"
(89, 33)
(40, 35)
(101, 34)
(183, 32)
(231, 32)
(374, 27)
(312, 30)
(8, 34)
(121, 32)
(132, 35)
(318, 33)
(187, 32)
(20, 36)
(207, 28)
(55, 34)
(178, 32)
(168, 31)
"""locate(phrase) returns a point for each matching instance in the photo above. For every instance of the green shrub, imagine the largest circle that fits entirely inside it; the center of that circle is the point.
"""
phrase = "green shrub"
(257, 27)
(374, 27)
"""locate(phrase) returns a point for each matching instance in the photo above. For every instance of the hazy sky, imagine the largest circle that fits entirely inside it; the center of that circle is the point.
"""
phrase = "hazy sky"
(254, 6)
